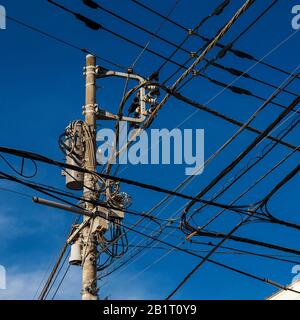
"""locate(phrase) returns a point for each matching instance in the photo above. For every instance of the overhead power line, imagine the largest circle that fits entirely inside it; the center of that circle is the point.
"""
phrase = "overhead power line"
(231, 232)
(238, 53)
(40, 158)
(248, 274)
(245, 151)
(139, 214)
(64, 42)
(98, 27)
(93, 23)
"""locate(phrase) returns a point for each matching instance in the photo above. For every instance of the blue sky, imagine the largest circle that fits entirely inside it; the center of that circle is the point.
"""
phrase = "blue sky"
(42, 90)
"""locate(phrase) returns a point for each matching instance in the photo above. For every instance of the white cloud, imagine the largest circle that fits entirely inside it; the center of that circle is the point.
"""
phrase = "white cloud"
(21, 286)
(27, 285)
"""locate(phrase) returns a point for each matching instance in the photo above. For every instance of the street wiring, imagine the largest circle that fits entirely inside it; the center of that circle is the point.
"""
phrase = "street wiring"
(116, 243)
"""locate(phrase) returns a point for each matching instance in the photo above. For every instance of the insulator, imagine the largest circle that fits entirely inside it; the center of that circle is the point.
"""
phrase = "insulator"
(223, 52)
(236, 72)
(153, 91)
(88, 22)
(240, 91)
(151, 101)
(221, 8)
(134, 105)
(243, 55)
(91, 4)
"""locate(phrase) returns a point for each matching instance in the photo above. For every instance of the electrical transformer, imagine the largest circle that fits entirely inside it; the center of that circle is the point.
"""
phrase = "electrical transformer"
(73, 149)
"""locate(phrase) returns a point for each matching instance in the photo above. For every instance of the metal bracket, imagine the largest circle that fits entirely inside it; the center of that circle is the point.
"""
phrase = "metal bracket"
(104, 73)
(77, 231)
(102, 114)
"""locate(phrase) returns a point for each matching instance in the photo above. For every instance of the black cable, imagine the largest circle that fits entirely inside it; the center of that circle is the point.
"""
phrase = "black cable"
(258, 158)
(54, 273)
(224, 50)
(266, 150)
(205, 108)
(60, 283)
(238, 53)
(202, 258)
(214, 262)
(240, 73)
(50, 191)
(237, 90)
(20, 173)
(229, 235)
(78, 15)
(247, 252)
(67, 43)
(30, 185)
(96, 26)
(217, 11)
(40, 158)
(232, 250)
(95, 5)
(245, 151)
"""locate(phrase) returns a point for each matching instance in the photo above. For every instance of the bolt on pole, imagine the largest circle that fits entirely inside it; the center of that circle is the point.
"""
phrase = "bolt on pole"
(89, 249)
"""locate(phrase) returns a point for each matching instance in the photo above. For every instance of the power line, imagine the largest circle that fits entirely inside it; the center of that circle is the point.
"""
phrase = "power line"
(51, 279)
(189, 179)
(61, 282)
(40, 158)
(243, 172)
(245, 240)
(209, 260)
(205, 108)
(238, 53)
(246, 151)
(238, 73)
(216, 263)
(241, 91)
(64, 42)
(212, 261)
(217, 11)
(176, 3)
(97, 26)
(230, 233)
(232, 88)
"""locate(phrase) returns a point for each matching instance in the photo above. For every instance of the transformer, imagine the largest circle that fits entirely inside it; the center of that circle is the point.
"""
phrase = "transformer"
(74, 156)
(75, 255)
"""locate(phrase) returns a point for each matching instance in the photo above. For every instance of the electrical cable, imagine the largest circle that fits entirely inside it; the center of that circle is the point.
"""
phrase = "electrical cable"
(242, 155)
(210, 260)
(230, 233)
(238, 53)
(69, 44)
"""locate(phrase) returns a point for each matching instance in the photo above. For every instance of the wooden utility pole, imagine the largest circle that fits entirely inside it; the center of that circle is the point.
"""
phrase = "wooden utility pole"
(89, 249)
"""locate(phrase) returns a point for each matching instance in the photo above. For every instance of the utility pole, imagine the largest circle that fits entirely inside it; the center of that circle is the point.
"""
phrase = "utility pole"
(89, 265)
(79, 146)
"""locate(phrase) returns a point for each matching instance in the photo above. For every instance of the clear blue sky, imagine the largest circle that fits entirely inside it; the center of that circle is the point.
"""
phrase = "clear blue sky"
(42, 90)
